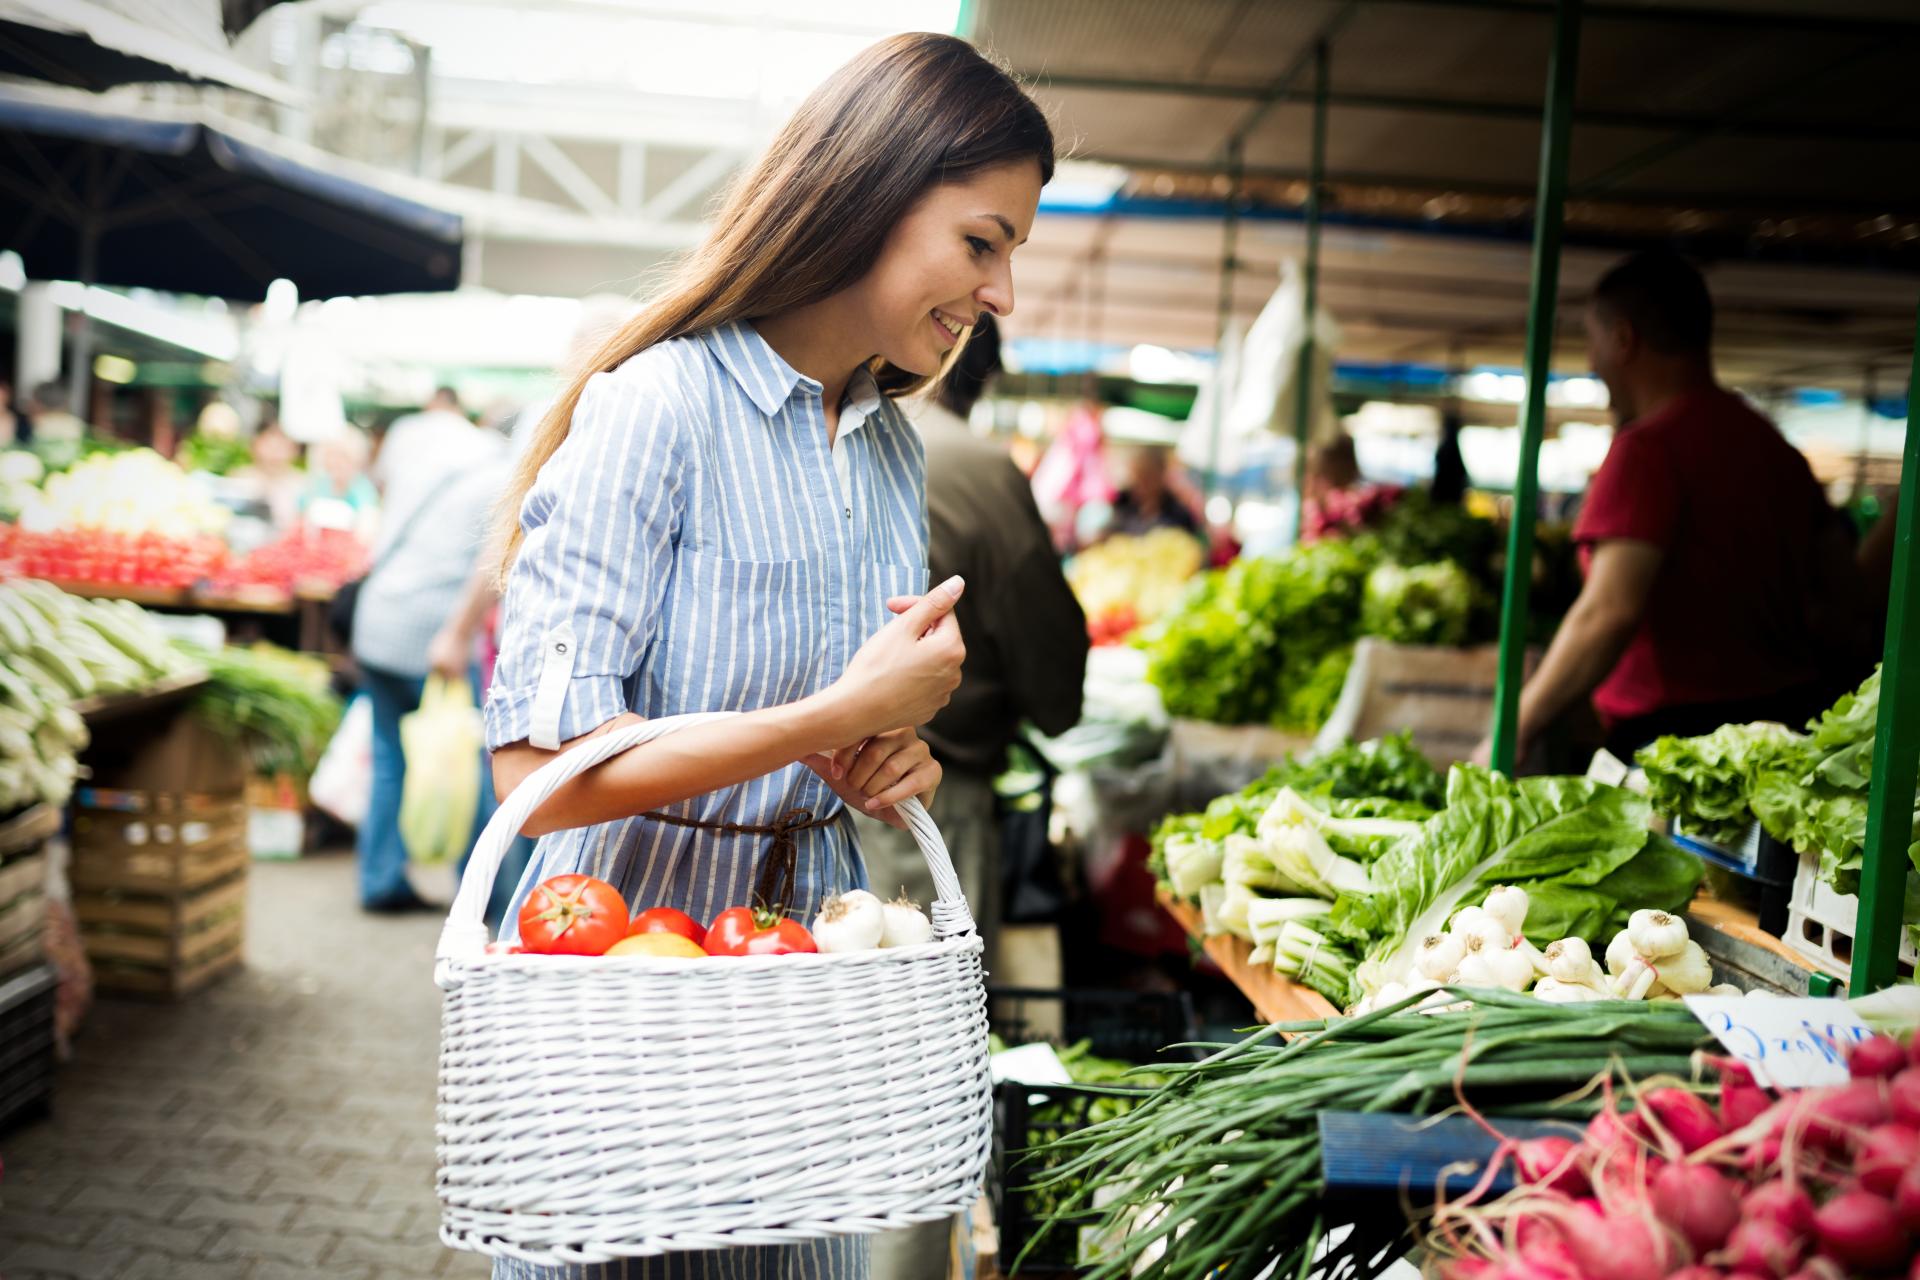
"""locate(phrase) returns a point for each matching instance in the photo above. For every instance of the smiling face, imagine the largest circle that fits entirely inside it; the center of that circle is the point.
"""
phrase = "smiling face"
(947, 261)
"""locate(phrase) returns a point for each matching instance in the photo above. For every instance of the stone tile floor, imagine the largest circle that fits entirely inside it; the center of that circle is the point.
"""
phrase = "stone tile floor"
(277, 1124)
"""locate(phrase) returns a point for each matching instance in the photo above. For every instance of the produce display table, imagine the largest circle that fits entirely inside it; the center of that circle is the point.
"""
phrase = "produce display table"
(103, 708)
(147, 597)
(1273, 997)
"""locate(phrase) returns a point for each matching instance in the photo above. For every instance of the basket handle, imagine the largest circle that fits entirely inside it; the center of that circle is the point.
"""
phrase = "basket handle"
(465, 933)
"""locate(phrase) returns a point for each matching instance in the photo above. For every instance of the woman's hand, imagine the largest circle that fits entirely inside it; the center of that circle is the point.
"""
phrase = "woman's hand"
(876, 775)
(907, 670)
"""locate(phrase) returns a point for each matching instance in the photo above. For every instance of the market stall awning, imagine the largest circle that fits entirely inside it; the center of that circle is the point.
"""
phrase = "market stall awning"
(97, 44)
(175, 205)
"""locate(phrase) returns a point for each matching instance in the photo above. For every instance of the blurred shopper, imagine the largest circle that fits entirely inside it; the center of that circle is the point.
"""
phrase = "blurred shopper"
(1148, 502)
(1026, 638)
(1026, 661)
(339, 494)
(273, 475)
(49, 419)
(1720, 585)
(1450, 478)
(416, 614)
(9, 421)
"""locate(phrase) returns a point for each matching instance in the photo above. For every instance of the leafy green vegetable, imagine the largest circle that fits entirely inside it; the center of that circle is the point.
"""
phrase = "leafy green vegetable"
(276, 704)
(1706, 781)
(1566, 831)
(1263, 641)
(1421, 604)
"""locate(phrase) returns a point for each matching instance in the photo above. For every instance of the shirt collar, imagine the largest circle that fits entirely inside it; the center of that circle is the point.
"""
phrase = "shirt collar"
(769, 380)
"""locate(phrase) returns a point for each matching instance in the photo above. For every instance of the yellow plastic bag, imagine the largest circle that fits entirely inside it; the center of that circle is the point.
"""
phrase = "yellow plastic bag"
(442, 743)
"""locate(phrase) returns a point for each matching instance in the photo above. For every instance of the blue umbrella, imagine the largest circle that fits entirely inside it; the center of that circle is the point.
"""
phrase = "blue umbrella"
(180, 206)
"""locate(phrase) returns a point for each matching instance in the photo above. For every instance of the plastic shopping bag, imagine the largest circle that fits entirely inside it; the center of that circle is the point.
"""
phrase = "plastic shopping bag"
(442, 743)
(343, 780)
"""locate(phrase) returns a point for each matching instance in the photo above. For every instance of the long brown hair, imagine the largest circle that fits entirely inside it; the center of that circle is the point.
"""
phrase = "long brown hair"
(811, 217)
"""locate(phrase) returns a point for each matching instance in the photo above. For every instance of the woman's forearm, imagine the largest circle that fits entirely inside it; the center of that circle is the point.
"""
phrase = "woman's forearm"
(688, 763)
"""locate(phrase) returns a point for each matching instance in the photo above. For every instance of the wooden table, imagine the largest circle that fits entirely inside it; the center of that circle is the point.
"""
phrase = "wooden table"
(1274, 998)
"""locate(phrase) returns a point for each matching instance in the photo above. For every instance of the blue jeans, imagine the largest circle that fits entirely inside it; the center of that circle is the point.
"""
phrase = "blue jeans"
(382, 853)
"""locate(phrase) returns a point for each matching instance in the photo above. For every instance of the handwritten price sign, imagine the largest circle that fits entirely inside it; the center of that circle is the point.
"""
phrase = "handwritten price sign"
(1789, 1043)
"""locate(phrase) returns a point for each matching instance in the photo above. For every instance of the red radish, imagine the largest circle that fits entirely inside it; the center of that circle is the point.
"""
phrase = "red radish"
(1913, 1272)
(1741, 1100)
(1777, 1202)
(1906, 1199)
(1876, 1056)
(1695, 1272)
(1860, 1230)
(1818, 1268)
(1887, 1151)
(1697, 1201)
(1551, 1161)
(1761, 1245)
(1540, 1247)
(1903, 1095)
(1468, 1267)
(1835, 1118)
(1625, 1174)
(1621, 1244)
(1685, 1116)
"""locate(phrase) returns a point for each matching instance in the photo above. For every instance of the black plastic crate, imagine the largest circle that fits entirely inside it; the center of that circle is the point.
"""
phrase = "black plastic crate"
(1025, 1115)
(1133, 1026)
(26, 1044)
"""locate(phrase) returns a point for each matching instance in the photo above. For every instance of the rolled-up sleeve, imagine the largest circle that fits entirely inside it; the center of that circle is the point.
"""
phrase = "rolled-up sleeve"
(599, 527)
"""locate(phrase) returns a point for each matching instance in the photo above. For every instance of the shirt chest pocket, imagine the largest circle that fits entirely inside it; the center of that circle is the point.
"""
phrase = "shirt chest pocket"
(735, 635)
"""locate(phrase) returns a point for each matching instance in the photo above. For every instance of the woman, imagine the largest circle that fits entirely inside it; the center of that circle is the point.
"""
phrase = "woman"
(721, 510)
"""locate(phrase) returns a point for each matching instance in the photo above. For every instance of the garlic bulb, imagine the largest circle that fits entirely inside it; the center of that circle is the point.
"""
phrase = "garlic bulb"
(1508, 904)
(1655, 934)
(1559, 992)
(1439, 955)
(1570, 960)
(1687, 971)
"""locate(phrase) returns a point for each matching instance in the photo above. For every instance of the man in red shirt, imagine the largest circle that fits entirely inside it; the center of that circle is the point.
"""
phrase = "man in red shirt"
(1719, 582)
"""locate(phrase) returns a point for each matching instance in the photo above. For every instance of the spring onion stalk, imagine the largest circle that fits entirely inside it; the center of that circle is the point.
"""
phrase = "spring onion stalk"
(1217, 1170)
(1304, 954)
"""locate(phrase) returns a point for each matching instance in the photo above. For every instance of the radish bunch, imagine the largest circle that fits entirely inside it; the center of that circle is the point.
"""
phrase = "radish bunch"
(1816, 1185)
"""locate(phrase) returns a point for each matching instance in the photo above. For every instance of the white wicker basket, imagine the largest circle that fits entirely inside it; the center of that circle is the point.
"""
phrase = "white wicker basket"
(593, 1108)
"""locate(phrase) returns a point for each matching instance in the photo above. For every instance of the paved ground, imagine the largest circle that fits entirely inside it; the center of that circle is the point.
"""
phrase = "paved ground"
(277, 1125)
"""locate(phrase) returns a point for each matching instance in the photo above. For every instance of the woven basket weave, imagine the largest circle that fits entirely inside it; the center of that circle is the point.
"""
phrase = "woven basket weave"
(593, 1108)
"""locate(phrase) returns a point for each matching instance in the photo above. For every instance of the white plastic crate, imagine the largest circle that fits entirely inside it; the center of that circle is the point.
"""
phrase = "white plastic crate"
(1820, 922)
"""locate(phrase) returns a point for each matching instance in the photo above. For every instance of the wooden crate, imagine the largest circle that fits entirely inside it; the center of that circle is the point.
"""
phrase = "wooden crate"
(23, 883)
(156, 842)
(164, 944)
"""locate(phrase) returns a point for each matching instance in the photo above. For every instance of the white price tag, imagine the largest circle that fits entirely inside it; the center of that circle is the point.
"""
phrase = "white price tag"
(1607, 767)
(1029, 1064)
(1788, 1043)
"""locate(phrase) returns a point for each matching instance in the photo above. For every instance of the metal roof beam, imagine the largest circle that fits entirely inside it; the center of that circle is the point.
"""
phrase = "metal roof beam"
(1798, 204)
(1685, 15)
(1492, 110)
(1282, 87)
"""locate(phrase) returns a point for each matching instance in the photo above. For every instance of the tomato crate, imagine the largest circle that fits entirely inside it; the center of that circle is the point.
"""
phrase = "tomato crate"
(156, 842)
(26, 1044)
(23, 885)
(164, 945)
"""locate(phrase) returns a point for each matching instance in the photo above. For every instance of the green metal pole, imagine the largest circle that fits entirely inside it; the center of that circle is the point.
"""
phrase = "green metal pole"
(1896, 744)
(1229, 274)
(1303, 373)
(1562, 70)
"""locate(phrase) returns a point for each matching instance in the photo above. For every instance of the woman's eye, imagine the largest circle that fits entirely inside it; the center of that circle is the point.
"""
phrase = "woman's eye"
(978, 245)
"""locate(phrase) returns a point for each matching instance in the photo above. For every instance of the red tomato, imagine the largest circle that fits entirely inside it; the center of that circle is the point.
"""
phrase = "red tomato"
(749, 931)
(668, 920)
(573, 915)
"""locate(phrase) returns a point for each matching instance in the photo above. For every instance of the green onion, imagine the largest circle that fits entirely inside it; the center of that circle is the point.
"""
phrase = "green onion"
(1218, 1170)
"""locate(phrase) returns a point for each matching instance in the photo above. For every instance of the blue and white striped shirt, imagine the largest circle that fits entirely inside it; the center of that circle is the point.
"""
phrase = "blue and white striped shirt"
(689, 548)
